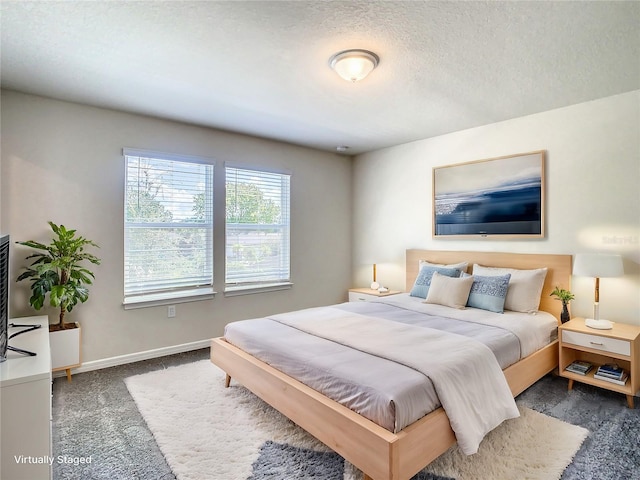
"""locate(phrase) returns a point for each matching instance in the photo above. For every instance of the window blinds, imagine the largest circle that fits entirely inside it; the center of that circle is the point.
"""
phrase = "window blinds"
(257, 227)
(168, 227)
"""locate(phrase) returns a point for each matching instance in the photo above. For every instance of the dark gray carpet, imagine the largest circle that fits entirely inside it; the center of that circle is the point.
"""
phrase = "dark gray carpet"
(277, 462)
(94, 416)
(285, 462)
(612, 449)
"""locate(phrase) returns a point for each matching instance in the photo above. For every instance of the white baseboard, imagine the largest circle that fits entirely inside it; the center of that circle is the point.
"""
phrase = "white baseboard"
(136, 357)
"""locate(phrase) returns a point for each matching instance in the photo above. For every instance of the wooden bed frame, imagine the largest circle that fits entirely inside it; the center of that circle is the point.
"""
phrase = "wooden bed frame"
(380, 454)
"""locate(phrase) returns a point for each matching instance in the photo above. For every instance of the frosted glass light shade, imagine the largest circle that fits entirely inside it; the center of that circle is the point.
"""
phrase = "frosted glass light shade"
(354, 65)
(597, 265)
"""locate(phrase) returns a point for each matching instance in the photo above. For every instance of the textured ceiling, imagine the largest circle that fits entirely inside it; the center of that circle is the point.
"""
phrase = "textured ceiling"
(261, 68)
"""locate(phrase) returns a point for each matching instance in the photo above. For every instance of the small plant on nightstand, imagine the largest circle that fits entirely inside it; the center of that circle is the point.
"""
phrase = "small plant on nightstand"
(565, 296)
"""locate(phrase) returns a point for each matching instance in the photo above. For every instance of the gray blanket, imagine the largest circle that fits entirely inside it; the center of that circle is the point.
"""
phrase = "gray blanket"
(467, 378)
(390, 394)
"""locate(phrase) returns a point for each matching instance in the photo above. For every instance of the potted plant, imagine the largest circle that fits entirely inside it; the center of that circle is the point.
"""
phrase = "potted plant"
(57, 271)
(565, 296)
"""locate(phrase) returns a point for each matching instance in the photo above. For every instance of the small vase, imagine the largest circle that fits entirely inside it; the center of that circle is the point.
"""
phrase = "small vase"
(564, 316)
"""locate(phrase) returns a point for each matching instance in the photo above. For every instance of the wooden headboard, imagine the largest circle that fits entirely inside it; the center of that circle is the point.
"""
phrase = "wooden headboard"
(558, 273)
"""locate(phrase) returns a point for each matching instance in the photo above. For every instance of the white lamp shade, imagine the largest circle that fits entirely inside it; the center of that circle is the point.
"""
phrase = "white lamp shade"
(354, 65)
(597, 265)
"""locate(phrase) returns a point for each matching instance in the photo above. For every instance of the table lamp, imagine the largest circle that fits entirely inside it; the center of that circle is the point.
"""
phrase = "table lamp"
(597, 265)
(374, 285)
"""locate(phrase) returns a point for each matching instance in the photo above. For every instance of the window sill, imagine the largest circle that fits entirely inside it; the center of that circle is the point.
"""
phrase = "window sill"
(168, 298)
(236, 290)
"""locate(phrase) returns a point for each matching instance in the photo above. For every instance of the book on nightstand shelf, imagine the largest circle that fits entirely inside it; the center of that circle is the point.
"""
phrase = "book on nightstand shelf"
(618, 381)
(580, 367)
(611, 372)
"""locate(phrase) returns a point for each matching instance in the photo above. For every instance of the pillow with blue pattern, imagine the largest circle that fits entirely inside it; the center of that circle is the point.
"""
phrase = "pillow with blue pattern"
(423, 281)
(525, 286)
(489, 293)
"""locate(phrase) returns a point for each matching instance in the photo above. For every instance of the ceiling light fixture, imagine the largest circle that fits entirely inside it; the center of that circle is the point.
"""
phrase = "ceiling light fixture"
(354, 65)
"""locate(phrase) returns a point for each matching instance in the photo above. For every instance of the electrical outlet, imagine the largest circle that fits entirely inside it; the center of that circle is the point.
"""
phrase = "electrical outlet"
(171, 311)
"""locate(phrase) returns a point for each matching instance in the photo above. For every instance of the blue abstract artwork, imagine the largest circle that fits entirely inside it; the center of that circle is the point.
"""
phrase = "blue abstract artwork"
(500, 196)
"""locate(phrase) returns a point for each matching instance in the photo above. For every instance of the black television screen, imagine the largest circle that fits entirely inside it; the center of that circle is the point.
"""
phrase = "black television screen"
(4, 295)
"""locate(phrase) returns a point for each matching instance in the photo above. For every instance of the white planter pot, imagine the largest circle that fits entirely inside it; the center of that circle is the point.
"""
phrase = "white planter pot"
(65, 349)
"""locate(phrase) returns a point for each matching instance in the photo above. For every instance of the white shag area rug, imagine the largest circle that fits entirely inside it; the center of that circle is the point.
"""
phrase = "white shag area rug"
(206, 431)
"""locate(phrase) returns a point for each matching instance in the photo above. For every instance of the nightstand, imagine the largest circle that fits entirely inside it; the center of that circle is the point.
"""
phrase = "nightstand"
(620, 345)
(366, 294)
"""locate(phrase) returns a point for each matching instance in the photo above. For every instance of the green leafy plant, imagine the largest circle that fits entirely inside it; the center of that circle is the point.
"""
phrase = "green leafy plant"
(565, 296)
(56, 270)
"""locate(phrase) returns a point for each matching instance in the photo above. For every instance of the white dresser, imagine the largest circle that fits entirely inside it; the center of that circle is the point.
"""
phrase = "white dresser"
(25, 405)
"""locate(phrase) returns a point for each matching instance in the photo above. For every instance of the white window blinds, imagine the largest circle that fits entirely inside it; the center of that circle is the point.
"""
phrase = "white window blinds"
(168, 226)
(257, 227)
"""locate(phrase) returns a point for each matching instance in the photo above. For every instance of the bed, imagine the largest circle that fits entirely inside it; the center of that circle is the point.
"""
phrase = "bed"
(380, 453)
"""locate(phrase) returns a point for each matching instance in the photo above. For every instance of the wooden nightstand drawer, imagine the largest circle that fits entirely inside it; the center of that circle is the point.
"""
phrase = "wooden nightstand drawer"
(361, 297)
(597, 342)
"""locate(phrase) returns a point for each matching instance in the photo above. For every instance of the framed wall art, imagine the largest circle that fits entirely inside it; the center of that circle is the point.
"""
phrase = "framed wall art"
(499, 197)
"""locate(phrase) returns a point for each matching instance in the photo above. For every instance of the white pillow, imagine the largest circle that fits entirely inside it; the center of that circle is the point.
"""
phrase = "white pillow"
(449, 291)
(462, 266)
(525, 286)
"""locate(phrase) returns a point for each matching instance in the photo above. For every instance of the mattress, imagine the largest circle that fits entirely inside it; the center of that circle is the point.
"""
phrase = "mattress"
(388, 393)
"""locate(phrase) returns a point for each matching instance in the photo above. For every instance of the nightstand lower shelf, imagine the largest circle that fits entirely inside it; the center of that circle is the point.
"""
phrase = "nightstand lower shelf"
(589, 380)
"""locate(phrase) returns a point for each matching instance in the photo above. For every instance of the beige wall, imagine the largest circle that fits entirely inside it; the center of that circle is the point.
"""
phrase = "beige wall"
(63, 162)
(592, 194)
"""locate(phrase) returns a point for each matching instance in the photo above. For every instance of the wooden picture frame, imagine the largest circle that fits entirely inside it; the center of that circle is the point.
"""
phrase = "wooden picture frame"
(500, 197)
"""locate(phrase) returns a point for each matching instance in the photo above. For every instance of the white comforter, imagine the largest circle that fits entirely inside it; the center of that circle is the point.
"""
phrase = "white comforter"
(468, 380)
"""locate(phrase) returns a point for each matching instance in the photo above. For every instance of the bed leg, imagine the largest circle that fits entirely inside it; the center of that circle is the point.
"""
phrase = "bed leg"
(227, 381)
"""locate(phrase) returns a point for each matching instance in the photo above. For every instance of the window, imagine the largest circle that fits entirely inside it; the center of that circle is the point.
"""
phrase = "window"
(168, 227)
(257, 228)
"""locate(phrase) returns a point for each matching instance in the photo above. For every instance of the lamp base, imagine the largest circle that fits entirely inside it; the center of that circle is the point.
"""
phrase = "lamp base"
(598, 324)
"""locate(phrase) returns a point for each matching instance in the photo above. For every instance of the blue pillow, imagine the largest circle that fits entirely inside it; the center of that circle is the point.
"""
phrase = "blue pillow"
(489, 293)
(423, 282)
